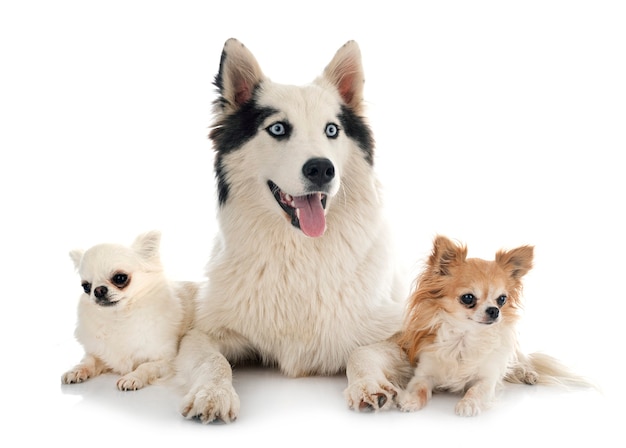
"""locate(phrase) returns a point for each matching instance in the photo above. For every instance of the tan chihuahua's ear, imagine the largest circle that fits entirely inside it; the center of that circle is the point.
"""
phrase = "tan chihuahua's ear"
(445, 255)
(147, 244)
(345, 71)
(517, 262)
(238, 76)
(77, 255)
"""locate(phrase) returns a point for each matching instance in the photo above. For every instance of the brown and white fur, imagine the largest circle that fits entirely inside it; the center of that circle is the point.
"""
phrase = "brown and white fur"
(301, 272)
(130, 316)
(461, 330)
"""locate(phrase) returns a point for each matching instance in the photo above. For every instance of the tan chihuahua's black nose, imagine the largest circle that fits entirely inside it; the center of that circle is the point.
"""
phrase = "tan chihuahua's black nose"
(493, 312)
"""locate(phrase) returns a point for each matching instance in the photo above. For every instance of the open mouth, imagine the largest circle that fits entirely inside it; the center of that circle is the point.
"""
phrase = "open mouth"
(307, 212)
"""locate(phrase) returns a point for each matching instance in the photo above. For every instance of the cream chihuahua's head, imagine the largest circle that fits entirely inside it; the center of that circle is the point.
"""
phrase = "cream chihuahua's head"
(111, 274)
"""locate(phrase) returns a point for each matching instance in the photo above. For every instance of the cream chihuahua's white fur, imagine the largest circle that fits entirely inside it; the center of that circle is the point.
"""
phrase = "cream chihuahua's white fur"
(301, 272)
(461, 330)
(130, 316)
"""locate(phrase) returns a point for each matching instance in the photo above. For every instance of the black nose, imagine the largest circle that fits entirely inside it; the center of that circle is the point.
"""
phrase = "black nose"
(319, 171)
(493, 312)
(100, 292)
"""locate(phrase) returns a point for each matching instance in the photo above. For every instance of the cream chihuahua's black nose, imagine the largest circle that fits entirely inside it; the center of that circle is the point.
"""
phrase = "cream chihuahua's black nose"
(100, 292)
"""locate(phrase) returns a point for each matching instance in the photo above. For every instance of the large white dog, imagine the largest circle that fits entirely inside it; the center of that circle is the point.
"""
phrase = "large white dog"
(302, 271)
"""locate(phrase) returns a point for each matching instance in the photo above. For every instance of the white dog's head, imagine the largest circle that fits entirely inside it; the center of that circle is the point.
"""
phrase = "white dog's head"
(284, 149)
(113, 274)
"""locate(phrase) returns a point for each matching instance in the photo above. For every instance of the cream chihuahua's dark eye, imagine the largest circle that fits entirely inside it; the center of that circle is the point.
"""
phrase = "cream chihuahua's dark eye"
(119, 279)
(468, 300)
(501, 300)
(86, 287)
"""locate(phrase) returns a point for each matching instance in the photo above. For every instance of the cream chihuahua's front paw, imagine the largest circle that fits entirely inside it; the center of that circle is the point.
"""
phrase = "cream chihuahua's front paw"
(78, 374)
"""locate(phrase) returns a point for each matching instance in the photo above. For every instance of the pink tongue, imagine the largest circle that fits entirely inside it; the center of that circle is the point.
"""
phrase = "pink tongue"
(311, 214)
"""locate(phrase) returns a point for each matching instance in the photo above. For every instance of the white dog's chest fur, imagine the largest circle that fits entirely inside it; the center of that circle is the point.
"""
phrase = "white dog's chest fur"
(304, 304)
(459, 357)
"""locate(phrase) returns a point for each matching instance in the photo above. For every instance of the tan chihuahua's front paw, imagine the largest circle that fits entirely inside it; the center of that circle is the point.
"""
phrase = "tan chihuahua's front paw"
(467, 407)
(410, 401)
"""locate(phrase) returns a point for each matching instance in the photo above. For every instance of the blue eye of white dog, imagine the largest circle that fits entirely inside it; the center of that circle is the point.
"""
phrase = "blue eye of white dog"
(332, 130)
(86, 287)
(277, 129)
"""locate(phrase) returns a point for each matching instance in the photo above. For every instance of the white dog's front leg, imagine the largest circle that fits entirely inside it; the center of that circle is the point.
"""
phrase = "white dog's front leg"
(209, 378)
(374, 374)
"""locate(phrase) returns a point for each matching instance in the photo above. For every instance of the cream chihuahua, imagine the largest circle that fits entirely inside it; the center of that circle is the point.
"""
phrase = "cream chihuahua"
(130, 317)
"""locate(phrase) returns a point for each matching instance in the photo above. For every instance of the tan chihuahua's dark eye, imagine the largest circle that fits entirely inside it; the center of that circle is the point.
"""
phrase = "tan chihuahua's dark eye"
(468, 300)
(120, 279)
(501, 300)
(86, 287)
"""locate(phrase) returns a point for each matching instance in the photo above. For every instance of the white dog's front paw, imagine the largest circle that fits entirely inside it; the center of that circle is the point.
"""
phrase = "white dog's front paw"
(77, 375)
(467, 407)
(370, 395)
(211, 403)
(130, 382)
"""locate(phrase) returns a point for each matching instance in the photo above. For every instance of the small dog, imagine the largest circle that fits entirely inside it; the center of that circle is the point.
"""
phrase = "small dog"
(130, 317)
(460, 329)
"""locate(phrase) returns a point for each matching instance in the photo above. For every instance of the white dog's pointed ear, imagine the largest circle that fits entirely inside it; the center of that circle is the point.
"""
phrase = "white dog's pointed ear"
(238, 76)
(76, 255)
(517, 262)
(446, 254)
(345, 72)
(147, 244)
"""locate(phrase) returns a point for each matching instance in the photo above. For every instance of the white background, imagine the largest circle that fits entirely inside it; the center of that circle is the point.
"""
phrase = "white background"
(497, 124)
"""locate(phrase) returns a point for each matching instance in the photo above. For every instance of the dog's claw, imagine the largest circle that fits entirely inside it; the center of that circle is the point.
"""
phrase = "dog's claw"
(368, 397)
(381, 399)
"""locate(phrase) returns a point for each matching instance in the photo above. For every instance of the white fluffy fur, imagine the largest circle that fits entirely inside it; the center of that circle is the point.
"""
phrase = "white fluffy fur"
(302, 304)
(137, 336)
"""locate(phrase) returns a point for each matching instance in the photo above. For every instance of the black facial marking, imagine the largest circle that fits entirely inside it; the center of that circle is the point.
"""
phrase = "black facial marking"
(357, 129)
(231, 133)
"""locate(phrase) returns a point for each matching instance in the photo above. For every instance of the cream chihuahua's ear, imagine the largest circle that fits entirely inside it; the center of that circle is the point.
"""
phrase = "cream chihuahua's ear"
(446, 254)
(517, 262)
(345, 71)
(238, 76)
(147, 244)
(76, 255)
